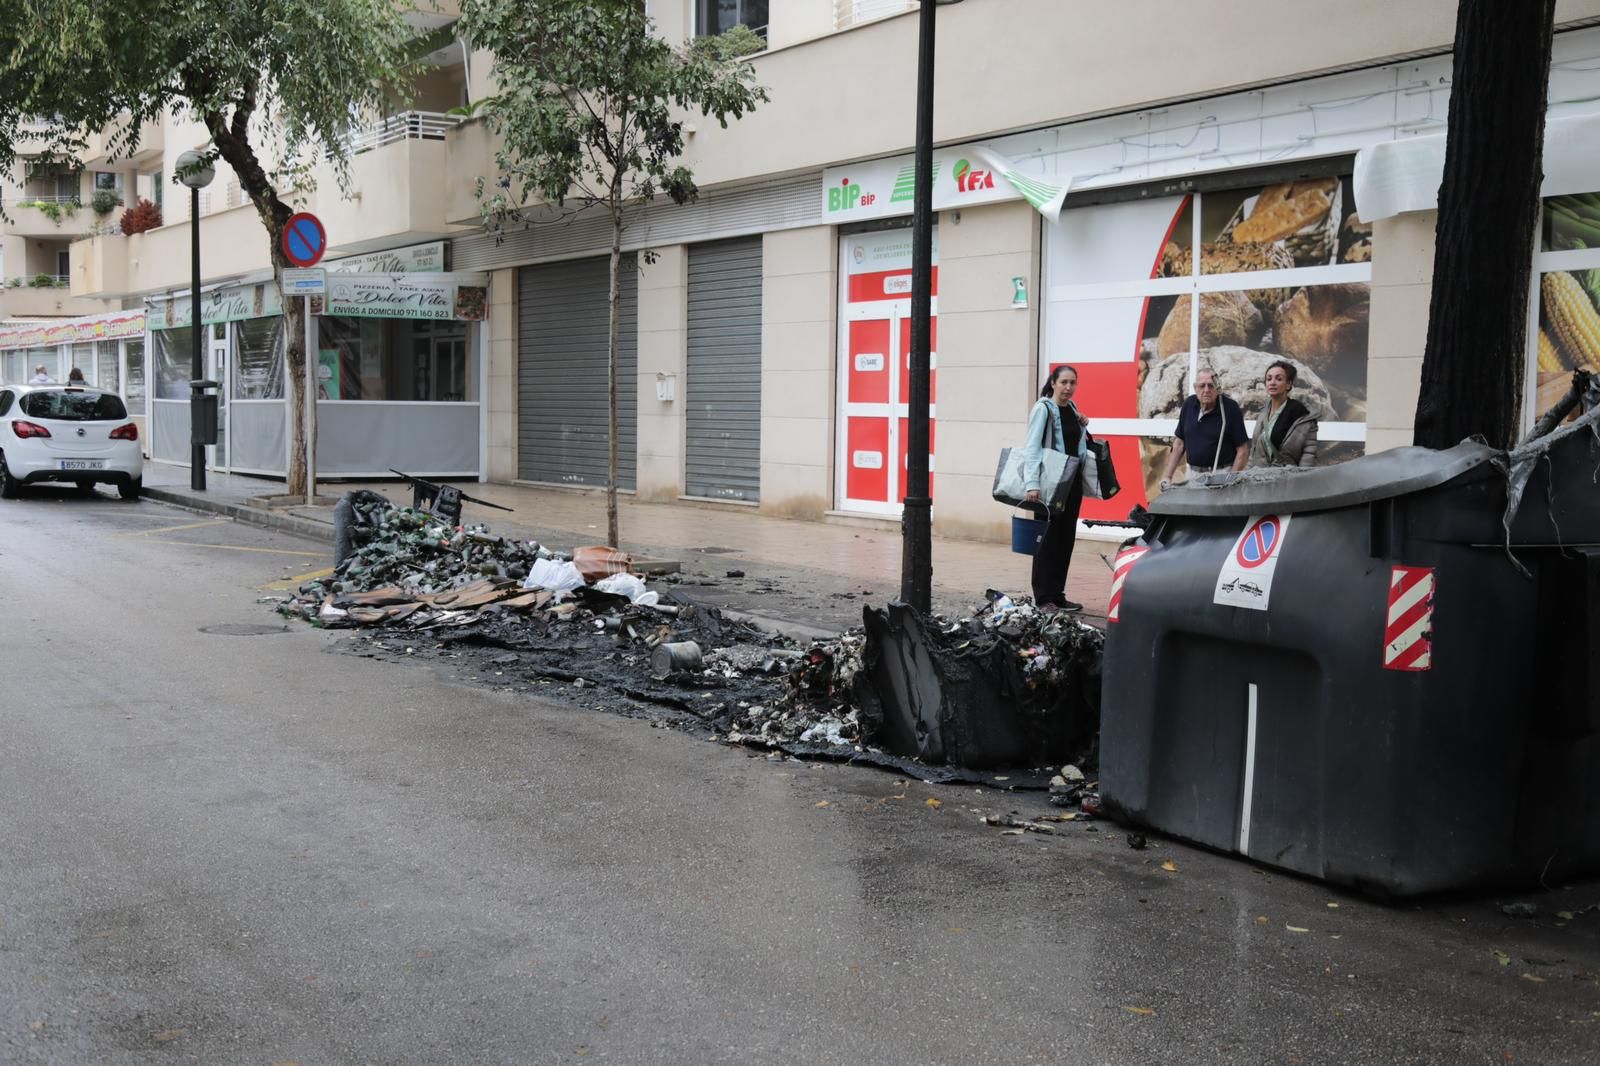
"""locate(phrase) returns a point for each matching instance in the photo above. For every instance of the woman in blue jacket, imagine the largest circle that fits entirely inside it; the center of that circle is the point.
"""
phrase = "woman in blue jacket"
(1055, 423)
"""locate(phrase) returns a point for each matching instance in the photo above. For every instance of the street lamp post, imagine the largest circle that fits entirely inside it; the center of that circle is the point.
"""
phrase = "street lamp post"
(195, 171)
(916, 561)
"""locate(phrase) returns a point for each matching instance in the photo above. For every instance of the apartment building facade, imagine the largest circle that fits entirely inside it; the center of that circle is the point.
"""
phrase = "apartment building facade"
(1135, 192)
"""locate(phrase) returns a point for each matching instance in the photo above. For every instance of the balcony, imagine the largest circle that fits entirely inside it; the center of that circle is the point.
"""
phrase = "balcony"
(46, 216)
(30, 300)
(97, 152)
(233, 243)
(400, 183)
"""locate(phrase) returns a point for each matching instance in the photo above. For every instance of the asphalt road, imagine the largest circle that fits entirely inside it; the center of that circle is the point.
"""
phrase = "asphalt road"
(228, 848)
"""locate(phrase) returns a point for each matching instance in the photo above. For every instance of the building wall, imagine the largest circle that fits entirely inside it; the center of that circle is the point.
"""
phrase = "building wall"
(1402, 272)
(799, 326)
(663, 349)
(500, 398)
(987, 354)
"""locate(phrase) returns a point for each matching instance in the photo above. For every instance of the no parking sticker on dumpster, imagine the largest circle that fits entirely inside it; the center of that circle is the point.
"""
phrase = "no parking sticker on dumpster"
(1245, 579)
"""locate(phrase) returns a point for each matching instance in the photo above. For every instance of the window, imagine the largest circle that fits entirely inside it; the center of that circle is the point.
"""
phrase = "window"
(257, 359)
(63, 263)
(106, 181)
(1568, 267)
(133, 388)
(719, 16)
(394, 359)
(5, 401)
(74, 406)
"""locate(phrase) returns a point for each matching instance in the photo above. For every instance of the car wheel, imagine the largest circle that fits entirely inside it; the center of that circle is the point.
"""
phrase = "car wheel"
(9, 486)
(130, 490)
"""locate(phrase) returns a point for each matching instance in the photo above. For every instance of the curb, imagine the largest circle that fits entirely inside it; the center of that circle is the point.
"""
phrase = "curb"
(321, 532)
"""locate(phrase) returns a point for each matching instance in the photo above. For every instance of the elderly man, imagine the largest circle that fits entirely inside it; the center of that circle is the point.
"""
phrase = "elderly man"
(1210, 431)
(40, 377)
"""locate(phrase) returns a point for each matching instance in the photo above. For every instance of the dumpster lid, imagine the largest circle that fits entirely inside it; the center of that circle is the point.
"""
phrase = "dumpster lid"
(1268, 490)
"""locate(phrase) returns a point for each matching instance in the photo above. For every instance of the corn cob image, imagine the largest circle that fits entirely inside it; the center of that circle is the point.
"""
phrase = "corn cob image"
(1549, 356)
(1574, 324)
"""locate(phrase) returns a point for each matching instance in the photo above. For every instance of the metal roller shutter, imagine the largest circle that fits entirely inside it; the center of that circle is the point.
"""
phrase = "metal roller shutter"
(722, 392)
(561, 372)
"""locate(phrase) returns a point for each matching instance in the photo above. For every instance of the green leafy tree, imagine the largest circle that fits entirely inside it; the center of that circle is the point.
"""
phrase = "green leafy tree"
(590, 108)
(278, 84)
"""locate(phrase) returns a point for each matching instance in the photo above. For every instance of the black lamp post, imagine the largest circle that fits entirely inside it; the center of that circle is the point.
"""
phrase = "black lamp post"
(195, 171)
(916, 528)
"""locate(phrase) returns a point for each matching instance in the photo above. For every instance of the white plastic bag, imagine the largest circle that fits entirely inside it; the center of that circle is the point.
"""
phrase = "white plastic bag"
(559, 577)
(629, 585)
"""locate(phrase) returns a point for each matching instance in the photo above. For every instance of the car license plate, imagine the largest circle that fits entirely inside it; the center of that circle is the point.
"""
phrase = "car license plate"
(83, 464)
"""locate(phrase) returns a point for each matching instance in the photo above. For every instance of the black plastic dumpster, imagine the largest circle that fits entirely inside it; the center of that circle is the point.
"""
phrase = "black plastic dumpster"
(1378, 674)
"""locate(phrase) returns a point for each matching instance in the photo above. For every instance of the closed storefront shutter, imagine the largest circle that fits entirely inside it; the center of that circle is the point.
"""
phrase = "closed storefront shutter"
(723, 387)
(561, 372)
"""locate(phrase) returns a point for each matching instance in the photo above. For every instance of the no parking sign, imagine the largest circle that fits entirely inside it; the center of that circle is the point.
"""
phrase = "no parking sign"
(1245, 579)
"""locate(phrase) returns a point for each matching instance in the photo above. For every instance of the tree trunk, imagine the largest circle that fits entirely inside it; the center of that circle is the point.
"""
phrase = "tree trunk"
(1472, 367)
(612, 533)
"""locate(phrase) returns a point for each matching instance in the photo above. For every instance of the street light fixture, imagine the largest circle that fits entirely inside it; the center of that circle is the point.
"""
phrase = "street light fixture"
(916, 529)
(194, 169)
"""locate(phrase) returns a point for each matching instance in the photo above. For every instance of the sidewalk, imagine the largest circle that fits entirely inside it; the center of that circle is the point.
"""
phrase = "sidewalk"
(811, 575)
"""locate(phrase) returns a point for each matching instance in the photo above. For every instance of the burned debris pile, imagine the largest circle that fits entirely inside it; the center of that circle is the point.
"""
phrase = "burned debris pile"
(1007, 687)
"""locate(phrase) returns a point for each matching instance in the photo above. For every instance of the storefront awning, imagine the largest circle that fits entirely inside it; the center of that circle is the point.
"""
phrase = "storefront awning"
(1395, 177)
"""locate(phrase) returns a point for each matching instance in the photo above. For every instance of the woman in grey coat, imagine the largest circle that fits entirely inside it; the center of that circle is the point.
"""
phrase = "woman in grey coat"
(1286, 432)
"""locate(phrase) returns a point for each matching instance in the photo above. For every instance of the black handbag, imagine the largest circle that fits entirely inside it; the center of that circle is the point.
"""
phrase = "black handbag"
(1099, 475)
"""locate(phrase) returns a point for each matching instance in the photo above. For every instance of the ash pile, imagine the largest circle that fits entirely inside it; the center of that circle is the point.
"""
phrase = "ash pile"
(1010, 686)
(940, 699)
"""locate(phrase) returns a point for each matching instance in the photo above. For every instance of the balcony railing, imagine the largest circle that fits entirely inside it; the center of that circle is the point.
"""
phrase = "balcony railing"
(406, 126)
(40, 281)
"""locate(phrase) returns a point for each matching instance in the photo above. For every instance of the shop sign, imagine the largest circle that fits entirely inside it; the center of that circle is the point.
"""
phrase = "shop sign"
(115, 325)
(962, 177)
(417, 259)
(429, 296)
(233, 304)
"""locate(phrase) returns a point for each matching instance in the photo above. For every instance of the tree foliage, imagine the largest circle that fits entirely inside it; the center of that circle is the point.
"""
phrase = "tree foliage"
(278, 85)
(591, 108)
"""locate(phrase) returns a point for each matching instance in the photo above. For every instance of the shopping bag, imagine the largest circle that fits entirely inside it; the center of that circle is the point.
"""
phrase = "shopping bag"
(1055, 479)
(1099, 476)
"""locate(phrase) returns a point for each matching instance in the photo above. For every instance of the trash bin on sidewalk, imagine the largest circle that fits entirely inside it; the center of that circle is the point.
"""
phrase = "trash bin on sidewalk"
(1384, 674)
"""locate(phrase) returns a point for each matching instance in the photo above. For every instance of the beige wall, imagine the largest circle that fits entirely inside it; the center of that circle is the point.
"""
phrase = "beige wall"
(793, 21)
(1006, 65)
(500, 407)
(1402, 271)
(986, 360)
(663, 349)
(799, 305)
(397, 196)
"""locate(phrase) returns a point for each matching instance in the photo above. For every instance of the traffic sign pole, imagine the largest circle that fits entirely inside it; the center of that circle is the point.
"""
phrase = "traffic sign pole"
(304, 241)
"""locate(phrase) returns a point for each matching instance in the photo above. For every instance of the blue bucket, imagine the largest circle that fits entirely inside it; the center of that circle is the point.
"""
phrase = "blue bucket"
(1028, 533)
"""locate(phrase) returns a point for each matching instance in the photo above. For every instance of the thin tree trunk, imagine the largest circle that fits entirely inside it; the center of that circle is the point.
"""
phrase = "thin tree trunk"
(612, 533)
(1472, 367)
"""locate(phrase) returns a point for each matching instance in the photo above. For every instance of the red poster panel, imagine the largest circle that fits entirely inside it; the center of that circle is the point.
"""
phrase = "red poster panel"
(868, 372)
(886, 285)
(933, 358)
(905, 437)
(866, 458)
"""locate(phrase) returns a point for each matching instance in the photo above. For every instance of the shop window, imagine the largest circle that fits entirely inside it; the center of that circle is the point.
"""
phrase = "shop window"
(719, 16)
(258, 359)
(1142, 293)
(105, 370)
(394, 359)
(133, 388)
(174, 359)
(1568, 268)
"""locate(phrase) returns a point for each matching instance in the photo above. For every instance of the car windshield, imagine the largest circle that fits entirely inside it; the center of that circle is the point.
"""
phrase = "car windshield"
(68, 406)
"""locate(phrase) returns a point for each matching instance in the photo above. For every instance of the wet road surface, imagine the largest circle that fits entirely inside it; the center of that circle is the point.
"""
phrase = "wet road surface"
(229, 848)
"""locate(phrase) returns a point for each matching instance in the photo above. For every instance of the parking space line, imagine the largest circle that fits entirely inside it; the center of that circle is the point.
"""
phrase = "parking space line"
(296, 581)
(243, 548)
(174, 529)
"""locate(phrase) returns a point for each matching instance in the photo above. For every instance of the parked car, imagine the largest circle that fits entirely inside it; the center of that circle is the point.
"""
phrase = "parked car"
(68, 433)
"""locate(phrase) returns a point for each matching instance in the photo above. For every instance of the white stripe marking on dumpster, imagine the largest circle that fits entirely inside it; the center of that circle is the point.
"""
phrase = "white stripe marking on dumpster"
(1249, 774)
(1410, 598)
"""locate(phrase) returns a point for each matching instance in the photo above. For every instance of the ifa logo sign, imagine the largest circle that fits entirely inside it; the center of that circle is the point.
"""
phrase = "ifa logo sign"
(970, 179)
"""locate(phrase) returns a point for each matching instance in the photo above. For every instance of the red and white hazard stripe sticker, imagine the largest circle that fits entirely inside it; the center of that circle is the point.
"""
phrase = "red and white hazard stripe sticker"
(1408, 636)
(1119, 574)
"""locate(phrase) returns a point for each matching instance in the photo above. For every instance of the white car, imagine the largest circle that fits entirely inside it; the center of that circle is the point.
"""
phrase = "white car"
(68, 433)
